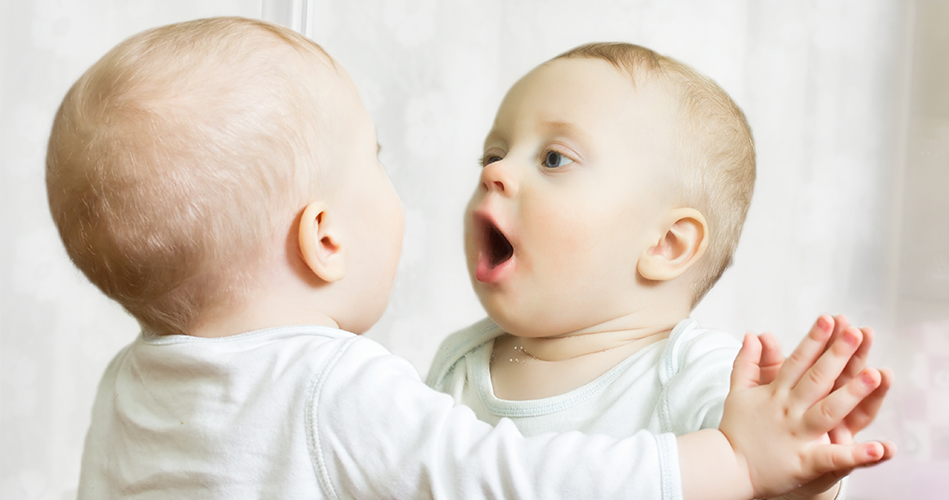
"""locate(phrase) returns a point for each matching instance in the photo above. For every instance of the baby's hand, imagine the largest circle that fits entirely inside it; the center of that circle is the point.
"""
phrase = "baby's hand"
(779, 431)
(857, 420)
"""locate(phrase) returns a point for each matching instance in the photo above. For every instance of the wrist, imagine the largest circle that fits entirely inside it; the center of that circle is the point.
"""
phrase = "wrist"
(711, 469)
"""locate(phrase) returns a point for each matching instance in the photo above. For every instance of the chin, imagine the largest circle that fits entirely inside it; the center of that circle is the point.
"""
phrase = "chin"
(506, 323)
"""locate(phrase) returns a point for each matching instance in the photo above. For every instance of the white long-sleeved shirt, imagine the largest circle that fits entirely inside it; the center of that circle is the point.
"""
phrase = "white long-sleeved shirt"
(314, 412)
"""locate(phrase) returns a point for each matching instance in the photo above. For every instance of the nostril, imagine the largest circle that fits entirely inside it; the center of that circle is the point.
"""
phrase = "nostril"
(497, 179)
(490, 185)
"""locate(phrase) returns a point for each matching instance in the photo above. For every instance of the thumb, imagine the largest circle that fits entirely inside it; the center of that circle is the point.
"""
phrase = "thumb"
(746, 372)
(771, 358)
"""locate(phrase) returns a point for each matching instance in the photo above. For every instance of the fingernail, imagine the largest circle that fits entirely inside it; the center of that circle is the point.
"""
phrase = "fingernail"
(867, 378)
(873, 451)
(823, 322)
(851, 337)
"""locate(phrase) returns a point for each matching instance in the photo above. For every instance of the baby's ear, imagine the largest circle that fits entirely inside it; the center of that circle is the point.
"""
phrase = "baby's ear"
(320, 246)
(682, 243)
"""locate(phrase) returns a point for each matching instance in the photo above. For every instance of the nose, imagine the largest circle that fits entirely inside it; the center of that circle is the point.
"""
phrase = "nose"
(499, 177)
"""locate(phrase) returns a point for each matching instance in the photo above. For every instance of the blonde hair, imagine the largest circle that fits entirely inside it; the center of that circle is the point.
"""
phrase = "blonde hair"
(175, 159)
(714, 140)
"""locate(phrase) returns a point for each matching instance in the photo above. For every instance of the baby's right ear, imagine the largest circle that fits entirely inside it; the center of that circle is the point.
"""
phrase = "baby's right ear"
(320, 246)
(683, 241)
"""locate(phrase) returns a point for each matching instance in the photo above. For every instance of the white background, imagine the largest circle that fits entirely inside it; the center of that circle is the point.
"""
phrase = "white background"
(847, 101)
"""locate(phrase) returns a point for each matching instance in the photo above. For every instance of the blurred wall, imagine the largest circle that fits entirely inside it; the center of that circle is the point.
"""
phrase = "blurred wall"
(845, 98)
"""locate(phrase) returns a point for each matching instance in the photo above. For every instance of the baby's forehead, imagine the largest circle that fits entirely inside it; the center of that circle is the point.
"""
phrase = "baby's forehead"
(577, 94)
(599, 70)
(589, 82)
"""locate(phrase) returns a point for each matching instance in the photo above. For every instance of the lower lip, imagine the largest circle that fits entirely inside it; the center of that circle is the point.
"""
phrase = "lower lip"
(487, 274)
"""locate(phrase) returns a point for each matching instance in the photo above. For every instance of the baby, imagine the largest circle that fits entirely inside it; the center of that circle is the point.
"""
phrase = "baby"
(614, 187)
(219, 179)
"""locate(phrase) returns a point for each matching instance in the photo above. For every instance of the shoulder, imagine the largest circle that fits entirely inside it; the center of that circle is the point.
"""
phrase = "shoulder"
(459, 343)
(690, 345)
(695, 372)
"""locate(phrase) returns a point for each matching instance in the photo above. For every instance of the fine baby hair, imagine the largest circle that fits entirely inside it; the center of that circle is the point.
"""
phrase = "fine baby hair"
(173, 159)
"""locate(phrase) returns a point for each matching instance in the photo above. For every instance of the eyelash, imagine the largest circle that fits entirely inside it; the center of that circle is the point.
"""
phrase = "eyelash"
(484, 160)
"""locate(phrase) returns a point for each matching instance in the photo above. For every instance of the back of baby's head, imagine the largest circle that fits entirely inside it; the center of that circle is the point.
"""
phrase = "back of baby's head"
(714, 144)
(173, 160)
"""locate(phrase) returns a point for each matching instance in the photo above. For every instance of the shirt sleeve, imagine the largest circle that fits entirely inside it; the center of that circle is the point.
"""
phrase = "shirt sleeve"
(376, 431)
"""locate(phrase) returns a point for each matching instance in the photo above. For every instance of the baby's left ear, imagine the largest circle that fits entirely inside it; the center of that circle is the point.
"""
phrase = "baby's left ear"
(680, 246)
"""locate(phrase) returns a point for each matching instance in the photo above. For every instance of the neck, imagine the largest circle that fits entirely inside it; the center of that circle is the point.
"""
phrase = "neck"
(266, 307)
(630, 331)
(590, 341)
(524, 368)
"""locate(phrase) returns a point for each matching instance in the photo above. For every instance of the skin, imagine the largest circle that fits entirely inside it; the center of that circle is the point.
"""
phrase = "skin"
(612, 145)
(826, 353)
(857, 420)
(362, 224)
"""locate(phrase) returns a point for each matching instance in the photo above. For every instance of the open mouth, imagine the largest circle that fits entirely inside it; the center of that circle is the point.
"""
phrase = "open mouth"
(496, 254)
(498, 249)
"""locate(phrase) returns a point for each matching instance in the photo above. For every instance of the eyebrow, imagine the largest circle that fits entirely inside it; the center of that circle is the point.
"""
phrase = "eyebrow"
(493, 135)
(565, 127)
(556, 126)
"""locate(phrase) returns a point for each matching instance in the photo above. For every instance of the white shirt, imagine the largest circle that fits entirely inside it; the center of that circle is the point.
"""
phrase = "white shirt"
(314, 412)
(677, 385)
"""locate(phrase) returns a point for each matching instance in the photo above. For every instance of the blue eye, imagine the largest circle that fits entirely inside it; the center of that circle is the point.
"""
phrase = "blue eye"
(554, 159)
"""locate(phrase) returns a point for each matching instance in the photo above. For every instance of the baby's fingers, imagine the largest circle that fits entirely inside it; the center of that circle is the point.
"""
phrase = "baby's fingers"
(859, 359)
(828, 458)
(771, 358)
(889, 450)
(745, 371)
(820, 379)
(867, 409)
(806, 352)
(833, 409)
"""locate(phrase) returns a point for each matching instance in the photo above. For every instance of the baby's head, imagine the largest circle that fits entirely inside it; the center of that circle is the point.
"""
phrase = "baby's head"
(179, 162)
(611, 171)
